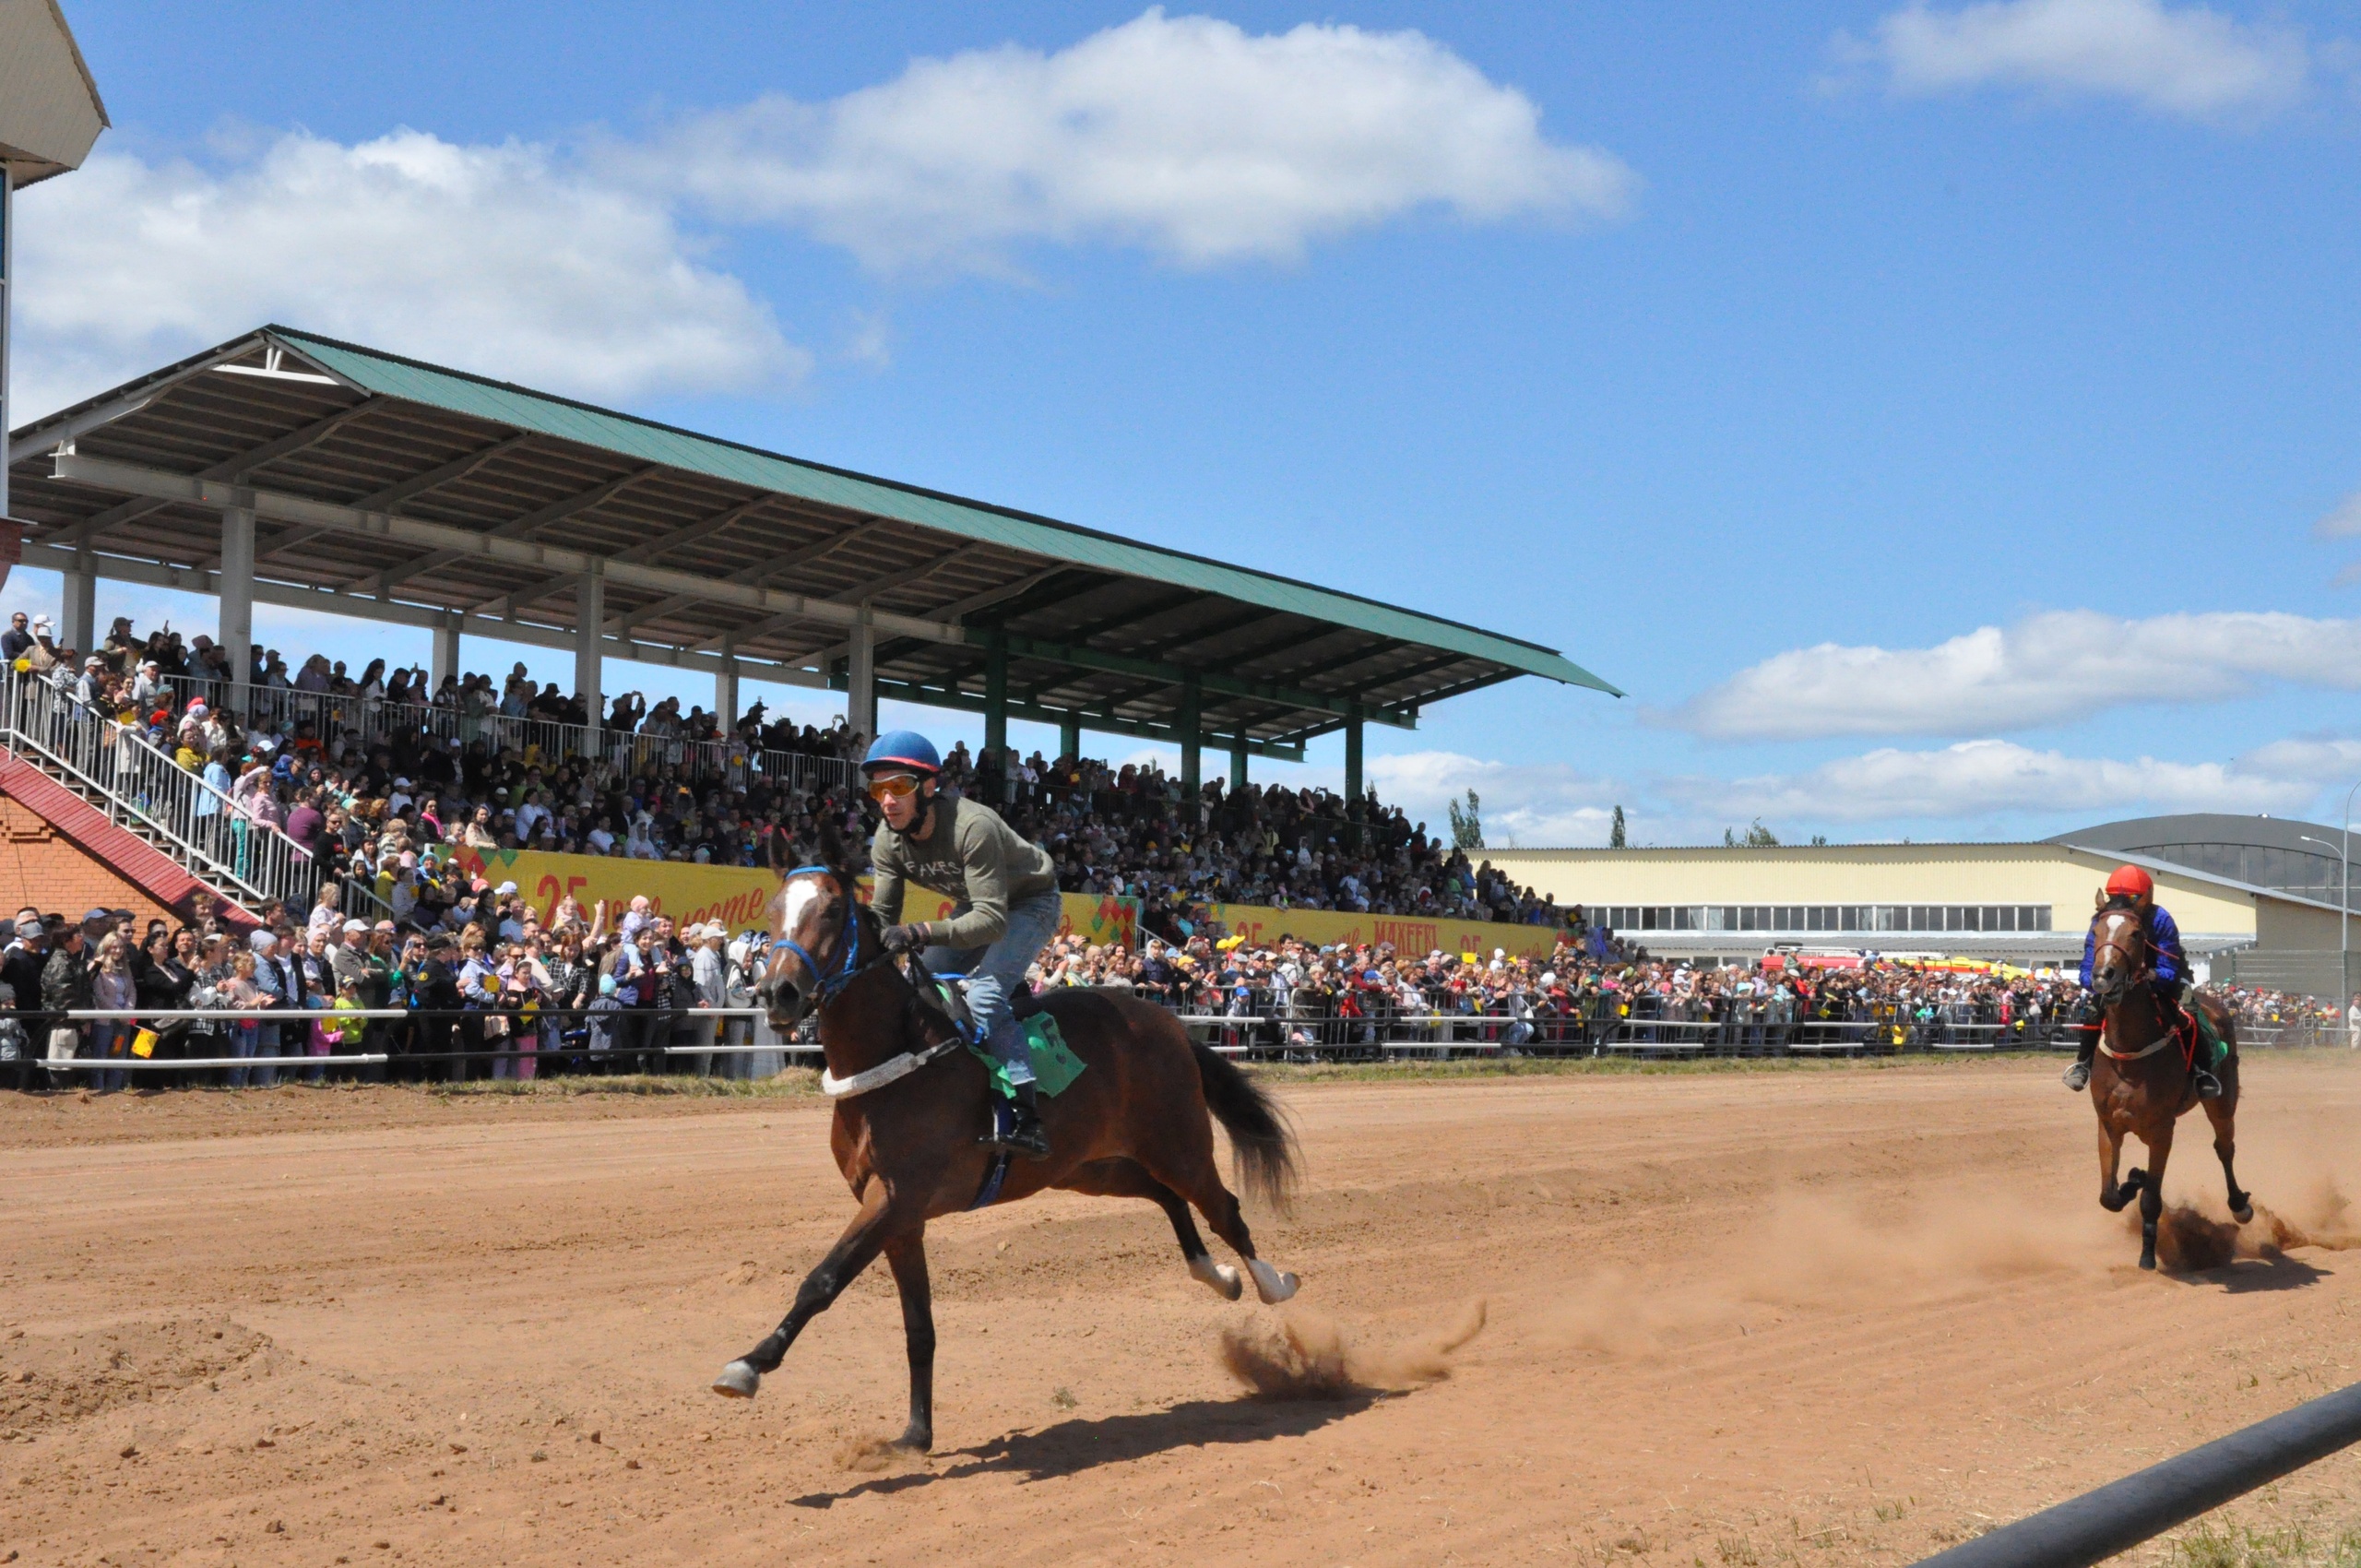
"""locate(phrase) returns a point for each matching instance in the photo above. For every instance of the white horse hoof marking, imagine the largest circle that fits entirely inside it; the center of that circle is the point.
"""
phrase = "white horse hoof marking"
(738, 1381)
(1222, 1279)
(1270, 1284)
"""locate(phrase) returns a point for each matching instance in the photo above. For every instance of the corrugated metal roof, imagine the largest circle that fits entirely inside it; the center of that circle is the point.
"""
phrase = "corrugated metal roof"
(646, 440)
(49, 109)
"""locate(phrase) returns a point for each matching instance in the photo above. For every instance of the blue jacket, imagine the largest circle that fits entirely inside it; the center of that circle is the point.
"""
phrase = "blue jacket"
(2164, 942)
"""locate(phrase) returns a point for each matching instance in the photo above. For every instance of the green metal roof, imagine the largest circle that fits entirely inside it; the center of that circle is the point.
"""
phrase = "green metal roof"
(646, 440)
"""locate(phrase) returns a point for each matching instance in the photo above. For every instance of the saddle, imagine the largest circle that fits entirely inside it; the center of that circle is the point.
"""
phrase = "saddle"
(949, 994)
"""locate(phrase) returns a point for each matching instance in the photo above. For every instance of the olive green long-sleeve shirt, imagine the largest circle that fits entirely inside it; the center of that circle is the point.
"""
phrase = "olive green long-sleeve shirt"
(971, 856)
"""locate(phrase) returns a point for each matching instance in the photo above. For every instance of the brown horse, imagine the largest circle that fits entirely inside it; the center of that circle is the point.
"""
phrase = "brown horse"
(2141, 1082)
(912, 1100)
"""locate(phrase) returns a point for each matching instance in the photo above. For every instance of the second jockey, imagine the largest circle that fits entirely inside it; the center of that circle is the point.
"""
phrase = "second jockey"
(2134, 889)
(1005, 902)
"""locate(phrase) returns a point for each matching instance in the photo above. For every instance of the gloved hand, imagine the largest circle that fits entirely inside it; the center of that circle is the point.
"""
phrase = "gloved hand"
(901, 939)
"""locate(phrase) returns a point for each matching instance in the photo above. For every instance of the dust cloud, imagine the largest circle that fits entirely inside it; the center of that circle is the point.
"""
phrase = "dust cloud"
(1305, 1355)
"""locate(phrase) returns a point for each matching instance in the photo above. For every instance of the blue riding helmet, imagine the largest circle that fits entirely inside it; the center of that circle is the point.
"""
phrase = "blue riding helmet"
(902, 748)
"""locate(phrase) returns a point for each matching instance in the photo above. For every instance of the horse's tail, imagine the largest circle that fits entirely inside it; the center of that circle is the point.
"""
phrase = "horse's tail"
(1262, 1148)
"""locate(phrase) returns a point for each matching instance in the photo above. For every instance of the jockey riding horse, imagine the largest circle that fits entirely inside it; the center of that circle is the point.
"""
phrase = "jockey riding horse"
(2131, 888)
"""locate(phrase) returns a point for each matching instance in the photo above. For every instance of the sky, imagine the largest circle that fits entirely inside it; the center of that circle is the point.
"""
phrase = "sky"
(1938, 419)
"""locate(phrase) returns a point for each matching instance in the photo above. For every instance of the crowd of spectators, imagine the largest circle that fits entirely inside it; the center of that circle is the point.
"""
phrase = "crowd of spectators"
(502, 995)
(380, 780)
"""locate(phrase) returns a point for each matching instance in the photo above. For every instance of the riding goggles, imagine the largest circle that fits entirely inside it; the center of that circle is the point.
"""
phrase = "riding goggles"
(893, 786)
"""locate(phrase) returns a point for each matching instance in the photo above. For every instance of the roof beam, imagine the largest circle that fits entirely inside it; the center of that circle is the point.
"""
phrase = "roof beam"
(760, 572)
(394, 494)
(69, 426)
(1090, 629)
(1344, 660)
(238, 467)
(514, 528)
(679, 539)
(1002, 594)
(157, 574)
(1173, 674)
(1222, 628)
(863, 592)
(1090, 718)
(131, 479)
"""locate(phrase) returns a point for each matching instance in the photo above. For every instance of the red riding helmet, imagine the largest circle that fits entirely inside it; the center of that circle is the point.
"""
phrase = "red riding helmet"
(2132, 882)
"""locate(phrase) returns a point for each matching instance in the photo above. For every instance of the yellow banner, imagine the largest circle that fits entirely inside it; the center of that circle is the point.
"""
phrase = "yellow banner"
(736, 896)
(1413, 936)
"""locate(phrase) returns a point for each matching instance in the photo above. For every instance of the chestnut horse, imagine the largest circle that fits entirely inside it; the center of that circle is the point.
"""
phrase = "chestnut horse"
(2141, 1082)
(913, 1100)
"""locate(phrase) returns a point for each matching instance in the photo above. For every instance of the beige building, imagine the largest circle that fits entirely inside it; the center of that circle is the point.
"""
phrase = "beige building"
(2023, 903)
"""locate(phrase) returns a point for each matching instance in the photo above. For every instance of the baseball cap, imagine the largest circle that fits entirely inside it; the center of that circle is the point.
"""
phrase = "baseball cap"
(504, 889)
(352, 926)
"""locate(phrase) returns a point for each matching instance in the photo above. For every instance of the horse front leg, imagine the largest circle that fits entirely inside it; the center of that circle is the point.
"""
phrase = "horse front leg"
(854, 1251)
(2152, 1197)
(2111, 1197)
(905, 1254)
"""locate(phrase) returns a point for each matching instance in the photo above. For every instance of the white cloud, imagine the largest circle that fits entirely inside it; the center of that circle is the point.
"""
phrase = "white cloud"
(1534, 804)
(2184, 60)
(1979, 778)
(501, 259)
(1186, 135)
(2046, 670)
(2342, 522)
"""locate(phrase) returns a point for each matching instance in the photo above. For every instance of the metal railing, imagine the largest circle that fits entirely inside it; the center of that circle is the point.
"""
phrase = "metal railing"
(374, 721)
(2117, 1517)
(138, 784)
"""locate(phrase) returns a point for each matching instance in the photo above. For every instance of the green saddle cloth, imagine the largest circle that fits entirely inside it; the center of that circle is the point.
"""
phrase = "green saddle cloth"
(1054, 1064)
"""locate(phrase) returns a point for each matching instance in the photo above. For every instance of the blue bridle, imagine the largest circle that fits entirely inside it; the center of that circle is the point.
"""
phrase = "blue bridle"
(825, 985)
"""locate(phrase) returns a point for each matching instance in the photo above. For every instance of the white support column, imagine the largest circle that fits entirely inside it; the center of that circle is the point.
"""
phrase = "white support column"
(445, 662)
(236, 634)
(78, 627)
(725, 689)
(860, 680)
(590, 635)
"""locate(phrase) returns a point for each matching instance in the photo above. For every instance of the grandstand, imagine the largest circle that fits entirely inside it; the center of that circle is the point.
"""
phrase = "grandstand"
(288, 469)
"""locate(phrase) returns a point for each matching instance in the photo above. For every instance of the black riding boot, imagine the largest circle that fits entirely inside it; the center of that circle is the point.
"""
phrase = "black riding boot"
(1027, 1137)
(2078, 1076)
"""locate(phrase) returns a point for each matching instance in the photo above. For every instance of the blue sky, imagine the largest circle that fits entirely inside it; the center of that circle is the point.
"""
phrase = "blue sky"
(1938, 418)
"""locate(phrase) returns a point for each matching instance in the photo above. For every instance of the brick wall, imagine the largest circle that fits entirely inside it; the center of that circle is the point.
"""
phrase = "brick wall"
(41, 866)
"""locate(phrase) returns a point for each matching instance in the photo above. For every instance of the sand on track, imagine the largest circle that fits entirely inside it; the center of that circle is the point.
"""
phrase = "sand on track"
(1819, 1316)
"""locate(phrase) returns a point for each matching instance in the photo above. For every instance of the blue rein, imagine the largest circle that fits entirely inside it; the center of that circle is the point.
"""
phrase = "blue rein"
(827, 983)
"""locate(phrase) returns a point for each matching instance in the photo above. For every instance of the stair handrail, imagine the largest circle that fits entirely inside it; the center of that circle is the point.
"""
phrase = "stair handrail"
(137, 779)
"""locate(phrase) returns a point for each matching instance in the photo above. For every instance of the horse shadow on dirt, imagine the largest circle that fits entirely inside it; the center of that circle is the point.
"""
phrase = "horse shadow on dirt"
(1070, 1447)
(2274, 1271)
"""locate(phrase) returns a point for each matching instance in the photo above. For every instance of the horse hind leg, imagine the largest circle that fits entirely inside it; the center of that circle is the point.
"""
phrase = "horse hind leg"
(1221, 1210)
(1129, 1179)
(2223, 1115)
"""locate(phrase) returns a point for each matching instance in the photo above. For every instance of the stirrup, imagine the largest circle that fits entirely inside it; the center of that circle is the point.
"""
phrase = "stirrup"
(2208, 1086)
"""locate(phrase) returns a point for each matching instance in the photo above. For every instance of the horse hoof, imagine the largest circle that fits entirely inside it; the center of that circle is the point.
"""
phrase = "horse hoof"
(2149, 1262)
(738, 1381)
(1271, 1284)
(1219, 1277)
(913, 1442)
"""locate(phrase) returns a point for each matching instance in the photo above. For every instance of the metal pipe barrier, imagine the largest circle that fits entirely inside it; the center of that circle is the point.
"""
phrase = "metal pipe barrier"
(139, 786)
(2119, 1516)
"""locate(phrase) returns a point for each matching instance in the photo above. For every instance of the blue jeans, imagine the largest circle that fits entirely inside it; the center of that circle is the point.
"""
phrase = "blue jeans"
(242, 1042)
(110, 1041)
(996, 973)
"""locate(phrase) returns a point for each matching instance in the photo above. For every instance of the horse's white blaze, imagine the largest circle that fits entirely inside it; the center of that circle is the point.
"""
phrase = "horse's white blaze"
(1220, 1276)
(799, 897)
(1271, 1284)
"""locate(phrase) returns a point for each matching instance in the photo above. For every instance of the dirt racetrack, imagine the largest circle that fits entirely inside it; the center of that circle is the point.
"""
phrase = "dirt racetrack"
(1825, 1314)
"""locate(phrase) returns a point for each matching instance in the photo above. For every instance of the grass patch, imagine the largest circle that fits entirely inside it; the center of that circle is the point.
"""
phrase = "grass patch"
(795, 1082)
(2286, 1546)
